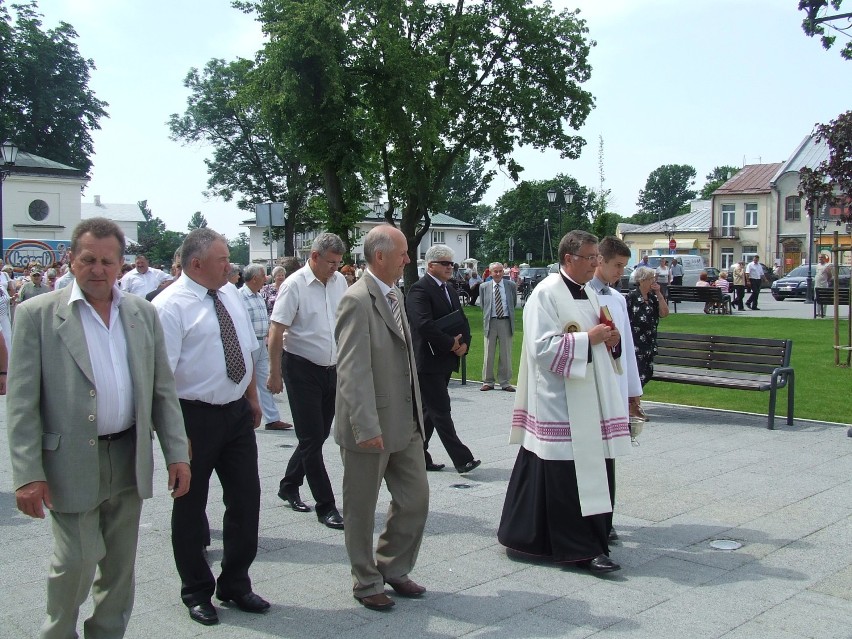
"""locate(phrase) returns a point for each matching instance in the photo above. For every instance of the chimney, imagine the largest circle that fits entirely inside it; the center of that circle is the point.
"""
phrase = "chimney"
(97, 200)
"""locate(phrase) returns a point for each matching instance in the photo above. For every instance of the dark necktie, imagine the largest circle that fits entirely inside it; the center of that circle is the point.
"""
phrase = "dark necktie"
(234, 362)
(447, 294)
(498, 301)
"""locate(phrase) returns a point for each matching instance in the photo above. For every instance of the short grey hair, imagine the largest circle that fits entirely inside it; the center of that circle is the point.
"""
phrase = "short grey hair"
(378, 240)
(51, 272)
(277, 270)
(573, 242)
(439, 253)
(493, 264)
(235, 269)
(328, 243)
(197, 243)
(643, 273)
(252, 271)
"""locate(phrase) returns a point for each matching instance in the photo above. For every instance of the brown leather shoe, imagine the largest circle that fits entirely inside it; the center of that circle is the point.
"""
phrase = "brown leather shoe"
(279, 425)
(407, 588)
(486, 387)
(509, 388)
(376, 602)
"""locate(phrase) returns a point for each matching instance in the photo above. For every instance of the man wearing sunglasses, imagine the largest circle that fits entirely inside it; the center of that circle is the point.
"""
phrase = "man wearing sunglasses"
(438, 347)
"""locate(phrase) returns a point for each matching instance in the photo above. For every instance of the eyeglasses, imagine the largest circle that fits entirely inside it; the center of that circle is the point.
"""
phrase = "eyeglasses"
(442, 263)
(591, 259)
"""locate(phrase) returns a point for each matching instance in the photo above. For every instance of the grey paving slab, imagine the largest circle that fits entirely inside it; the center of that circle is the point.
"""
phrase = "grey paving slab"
(697, 475)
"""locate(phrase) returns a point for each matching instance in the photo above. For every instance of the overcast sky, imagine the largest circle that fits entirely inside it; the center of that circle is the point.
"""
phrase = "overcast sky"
(700, 82)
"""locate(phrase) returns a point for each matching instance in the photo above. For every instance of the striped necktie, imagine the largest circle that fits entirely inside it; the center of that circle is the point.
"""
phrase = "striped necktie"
(498, 301)
(397, 311)
(234, 362)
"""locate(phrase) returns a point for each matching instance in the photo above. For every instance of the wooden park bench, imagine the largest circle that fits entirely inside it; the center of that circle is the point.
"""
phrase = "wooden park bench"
(826, 296)
(720, 361)
(713, 298)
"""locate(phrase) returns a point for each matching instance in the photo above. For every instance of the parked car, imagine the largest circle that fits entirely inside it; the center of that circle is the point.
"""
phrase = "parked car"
(528, 277)
(795, 283)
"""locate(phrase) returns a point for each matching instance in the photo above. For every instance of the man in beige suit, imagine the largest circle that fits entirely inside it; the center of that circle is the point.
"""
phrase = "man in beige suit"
(379, 425)
(88, 388)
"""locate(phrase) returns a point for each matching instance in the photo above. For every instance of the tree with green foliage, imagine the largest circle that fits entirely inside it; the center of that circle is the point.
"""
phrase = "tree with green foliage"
(197, 221)
(404, 89)
(46, 106)
(667, 193)
(520, 214)
(153, 239)
(831, 181)
(716, 178)
(817, 18)
(239, 247)
(464, 188)
(249, 162)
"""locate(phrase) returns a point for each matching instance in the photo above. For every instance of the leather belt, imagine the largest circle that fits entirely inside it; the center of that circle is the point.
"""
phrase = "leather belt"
(115, 436)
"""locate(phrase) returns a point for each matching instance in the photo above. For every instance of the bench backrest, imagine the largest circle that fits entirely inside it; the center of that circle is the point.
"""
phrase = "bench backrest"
(826, 295)
(723, 353)
(695, 294)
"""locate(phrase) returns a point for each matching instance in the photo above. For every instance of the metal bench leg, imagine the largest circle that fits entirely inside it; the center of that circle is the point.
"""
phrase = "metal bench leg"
(791, 397)
(772, 393)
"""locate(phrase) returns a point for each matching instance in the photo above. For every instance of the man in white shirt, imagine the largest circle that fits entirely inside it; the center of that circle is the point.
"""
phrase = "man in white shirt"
(306, 308)
(499, 297)
(209, 341)
(754, 272)
(143, 279)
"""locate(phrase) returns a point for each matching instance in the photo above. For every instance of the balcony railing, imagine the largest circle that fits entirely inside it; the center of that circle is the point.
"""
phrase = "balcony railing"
(725, 233)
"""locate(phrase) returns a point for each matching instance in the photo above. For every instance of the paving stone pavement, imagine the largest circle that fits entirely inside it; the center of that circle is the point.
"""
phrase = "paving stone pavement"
(698, 475)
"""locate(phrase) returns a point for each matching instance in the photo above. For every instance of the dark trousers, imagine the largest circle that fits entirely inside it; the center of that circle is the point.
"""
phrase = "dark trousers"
(223, 440)
(311, 390)
(436, 414)
(739, 295)
(755, 293)
(677, 280)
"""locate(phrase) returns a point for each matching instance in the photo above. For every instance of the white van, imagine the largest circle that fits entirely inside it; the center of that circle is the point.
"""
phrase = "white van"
(692, 266)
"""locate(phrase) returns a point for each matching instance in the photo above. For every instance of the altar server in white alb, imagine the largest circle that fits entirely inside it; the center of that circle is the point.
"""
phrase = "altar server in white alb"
(614, 257)
(569, 417)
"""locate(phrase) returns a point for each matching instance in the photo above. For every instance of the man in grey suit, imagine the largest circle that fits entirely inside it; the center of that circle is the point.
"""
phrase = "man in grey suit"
(499, 298)
(380, 425)
(89, 386)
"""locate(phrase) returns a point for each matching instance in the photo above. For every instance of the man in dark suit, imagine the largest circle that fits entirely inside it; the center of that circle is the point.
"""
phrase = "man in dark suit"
(379, 425)
(437, 351)
(499, 298)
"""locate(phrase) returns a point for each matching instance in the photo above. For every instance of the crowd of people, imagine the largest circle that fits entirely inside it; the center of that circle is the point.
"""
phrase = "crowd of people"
(195, 354)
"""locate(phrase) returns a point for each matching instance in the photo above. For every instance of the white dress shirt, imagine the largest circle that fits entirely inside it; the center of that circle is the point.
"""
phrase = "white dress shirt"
(107, 348)
(309, 309)
(141, 284)
(194, 341)
(754, 270)
(64, 280)
(503, 298)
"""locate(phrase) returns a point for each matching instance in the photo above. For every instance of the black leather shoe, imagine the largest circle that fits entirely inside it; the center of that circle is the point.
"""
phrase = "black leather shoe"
(434, 467)
(469, 466)
(612, 536)
(204, 613)
(602, 564)
(332, 519)
(249, 602)
(295, 502)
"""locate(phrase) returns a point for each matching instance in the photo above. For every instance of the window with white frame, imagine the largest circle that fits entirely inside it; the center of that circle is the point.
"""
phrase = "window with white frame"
(729, 214)
(727, 258)
(793, 209)
(749, 251)
(437, 237)
(751, 214)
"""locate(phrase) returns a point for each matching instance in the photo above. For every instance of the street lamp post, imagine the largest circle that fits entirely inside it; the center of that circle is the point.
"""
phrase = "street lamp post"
(551, 198)
(820, 224)
(10, 154)
(669, 230)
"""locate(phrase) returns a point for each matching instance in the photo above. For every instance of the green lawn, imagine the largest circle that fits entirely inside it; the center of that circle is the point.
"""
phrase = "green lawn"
(823, 391)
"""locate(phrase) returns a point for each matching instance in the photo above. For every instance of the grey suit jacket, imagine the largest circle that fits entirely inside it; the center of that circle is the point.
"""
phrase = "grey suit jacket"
(486, 294)
(52, 406)
(377, 388)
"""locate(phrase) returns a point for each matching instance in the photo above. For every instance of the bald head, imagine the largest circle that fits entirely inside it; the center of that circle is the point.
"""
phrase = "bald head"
(386, 252)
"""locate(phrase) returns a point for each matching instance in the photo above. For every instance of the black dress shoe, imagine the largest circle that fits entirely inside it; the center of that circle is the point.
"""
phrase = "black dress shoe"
(434, 467)
(204, 613)
(612, 536)
(602, 564)
(295, 502)
(332, 519)
(249, 602)
(469, 466)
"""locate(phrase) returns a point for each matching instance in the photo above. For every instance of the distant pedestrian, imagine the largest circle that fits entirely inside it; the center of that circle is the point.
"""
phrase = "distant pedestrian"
(739, 275)
(755, 276)
(677, 272)
(499, 298)
(664, 277)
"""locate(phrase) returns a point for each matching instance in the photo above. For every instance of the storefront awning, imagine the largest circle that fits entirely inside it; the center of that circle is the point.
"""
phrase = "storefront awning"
(682, 243)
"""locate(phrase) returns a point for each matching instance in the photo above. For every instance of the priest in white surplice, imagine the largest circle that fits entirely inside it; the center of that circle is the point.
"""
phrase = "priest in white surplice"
(569, 417)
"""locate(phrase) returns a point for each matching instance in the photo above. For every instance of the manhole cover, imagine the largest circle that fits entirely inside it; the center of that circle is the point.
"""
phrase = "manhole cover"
(461, 486)
(725, 544)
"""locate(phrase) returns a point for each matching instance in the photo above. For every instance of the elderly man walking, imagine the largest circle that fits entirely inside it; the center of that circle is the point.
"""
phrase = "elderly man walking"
(90, 384)
(380, 425)
(499, 298)
(254, 278)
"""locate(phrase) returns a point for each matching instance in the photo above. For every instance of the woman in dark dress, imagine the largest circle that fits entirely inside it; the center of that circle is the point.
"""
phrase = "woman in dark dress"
(645, 307)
